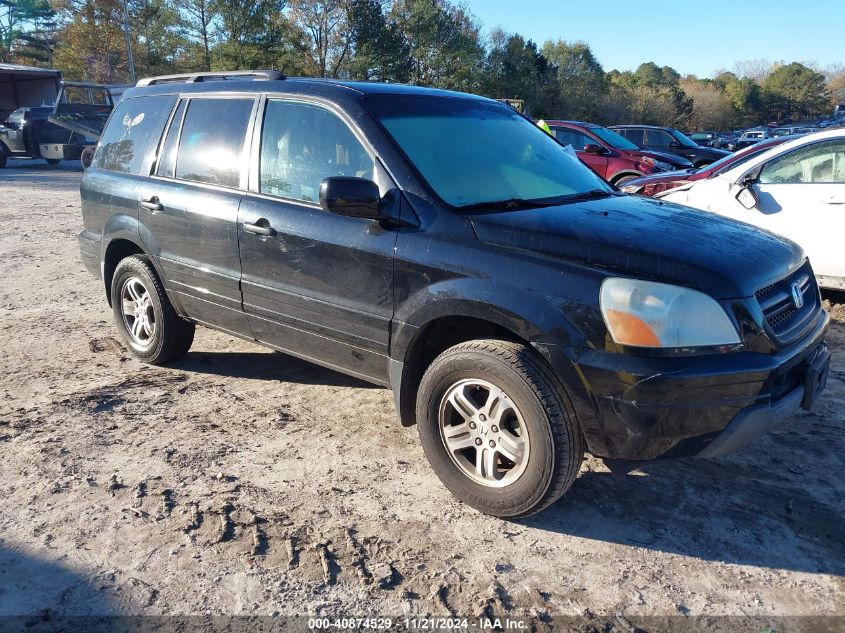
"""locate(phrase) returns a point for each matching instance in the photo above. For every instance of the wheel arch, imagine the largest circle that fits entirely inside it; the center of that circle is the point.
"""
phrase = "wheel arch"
(624, 173)
(438, 325)
(121, 238)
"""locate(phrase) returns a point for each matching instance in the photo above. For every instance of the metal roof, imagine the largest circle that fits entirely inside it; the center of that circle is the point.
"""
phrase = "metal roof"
(28, 70)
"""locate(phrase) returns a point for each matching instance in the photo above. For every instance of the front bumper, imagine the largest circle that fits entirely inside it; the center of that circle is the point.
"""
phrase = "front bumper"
(650, 408)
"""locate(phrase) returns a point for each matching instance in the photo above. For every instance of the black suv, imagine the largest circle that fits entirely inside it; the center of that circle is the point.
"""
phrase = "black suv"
(668, 139)
(521, 309)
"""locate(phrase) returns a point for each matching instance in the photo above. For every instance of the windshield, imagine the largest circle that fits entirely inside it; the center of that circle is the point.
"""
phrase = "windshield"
(613, 139)
(472, 152)
(683, 139)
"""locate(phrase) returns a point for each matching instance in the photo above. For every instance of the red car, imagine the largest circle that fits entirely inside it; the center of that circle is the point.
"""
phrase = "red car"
(610, 155)
(660, 183)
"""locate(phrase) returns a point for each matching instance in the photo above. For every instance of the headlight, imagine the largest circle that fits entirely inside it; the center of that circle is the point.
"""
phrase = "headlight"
(648, 314)
(628, 188)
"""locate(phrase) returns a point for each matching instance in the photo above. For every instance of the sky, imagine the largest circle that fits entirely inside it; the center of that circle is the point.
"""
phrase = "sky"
(697, 37)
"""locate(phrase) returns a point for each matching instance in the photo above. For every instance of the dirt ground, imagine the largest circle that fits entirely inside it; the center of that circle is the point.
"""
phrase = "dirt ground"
(242, 481)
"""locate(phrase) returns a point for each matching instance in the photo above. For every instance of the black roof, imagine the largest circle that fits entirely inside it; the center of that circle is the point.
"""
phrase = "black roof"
(296, 85)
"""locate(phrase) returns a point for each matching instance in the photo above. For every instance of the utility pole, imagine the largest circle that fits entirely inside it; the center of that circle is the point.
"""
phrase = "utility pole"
(129, 57)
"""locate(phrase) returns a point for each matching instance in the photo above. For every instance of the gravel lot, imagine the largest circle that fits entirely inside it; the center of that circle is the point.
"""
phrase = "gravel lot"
(242, 481)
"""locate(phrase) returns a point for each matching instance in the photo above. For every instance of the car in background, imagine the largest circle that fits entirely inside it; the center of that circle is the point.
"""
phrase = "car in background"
(791, 131)
(707, 139)
(750, 137)
(610, 155)
(27, 133)
(796, 189)
(668, 139)
(658, 184)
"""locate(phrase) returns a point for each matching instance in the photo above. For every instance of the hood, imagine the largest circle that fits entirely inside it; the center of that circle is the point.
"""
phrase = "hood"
(666, 157)
(649, 239)
(665, 176)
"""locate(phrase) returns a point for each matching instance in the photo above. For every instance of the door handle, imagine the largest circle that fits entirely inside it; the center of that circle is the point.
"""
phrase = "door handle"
(260, 229)
(151, 205)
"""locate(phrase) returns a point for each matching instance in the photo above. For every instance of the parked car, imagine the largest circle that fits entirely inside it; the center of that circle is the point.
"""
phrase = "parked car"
(667, 139)
(790, 131)
(706, 139)
(750, 137)
(609, 155)
(659, 183)
(796, 189)
(27, 133)
(441, 244)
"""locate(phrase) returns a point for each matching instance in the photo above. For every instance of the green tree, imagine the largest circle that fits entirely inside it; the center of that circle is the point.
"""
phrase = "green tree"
(795, 91)
(444, 43)
(325, 24)
(582, 82)
(516, 69)
(380, 50)
(196, 18)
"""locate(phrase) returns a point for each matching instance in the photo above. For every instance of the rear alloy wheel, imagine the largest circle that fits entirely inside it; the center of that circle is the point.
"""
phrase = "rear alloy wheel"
(497, 427)
(145, 318)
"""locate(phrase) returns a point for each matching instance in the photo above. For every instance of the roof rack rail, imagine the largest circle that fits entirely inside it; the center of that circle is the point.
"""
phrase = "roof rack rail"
(266, 75)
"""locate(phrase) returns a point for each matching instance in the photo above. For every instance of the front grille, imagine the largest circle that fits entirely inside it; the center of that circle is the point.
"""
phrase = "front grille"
(785, 320)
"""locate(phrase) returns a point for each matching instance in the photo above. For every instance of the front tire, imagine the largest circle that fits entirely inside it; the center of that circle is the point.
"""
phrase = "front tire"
(146, 320)
(495, 426)
(623, 179)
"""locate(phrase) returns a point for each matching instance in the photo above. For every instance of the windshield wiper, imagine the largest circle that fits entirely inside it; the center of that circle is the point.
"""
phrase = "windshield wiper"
(585, 195)
(510, 203)
(523, 203)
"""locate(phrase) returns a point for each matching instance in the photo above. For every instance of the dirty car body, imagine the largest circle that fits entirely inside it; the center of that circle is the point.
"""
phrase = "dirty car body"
(449, 259)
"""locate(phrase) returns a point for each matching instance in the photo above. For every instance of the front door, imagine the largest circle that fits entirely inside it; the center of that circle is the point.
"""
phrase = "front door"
(578, 141)
(802, 196)
(315, 284)
(189, 209)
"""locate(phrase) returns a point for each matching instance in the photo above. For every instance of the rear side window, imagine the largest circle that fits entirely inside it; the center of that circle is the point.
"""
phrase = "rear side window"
(132, 133)
(211, 145)
(167, 158)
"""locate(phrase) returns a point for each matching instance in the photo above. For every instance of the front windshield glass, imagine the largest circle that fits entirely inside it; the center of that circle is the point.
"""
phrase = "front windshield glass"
(613, 139)
(683, 139)
(472, 151)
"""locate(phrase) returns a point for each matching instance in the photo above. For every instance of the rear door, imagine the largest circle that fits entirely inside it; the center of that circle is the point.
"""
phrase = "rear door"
(189, 208)
(13, 137)
(315, 284)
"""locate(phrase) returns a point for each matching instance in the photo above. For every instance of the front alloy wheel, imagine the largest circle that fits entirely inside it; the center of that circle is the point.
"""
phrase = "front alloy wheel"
(484, 433)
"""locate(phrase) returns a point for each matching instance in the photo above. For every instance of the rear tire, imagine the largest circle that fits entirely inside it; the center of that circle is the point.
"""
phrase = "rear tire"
(496, 427)
(2, 159)
(53, 161)
(146, 320)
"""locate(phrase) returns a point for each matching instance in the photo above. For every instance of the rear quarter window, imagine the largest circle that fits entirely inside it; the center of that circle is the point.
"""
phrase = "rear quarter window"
(132, 133)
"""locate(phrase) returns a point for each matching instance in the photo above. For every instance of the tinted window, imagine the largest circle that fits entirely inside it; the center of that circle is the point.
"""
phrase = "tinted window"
(636, 136)
(659, 138)
(167, 158)
(133, 131)
(301, 145)
(473, 151)
(571, 137)
(212, 141)
(817, 163)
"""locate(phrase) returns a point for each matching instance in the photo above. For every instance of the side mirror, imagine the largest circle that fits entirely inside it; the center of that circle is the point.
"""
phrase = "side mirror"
(592, 148)
(353, 197)
(747, 197)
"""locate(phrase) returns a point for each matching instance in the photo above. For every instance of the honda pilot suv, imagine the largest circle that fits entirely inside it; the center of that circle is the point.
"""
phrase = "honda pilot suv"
(521, 309)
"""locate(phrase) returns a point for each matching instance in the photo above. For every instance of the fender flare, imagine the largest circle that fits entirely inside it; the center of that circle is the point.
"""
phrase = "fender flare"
(122, 227)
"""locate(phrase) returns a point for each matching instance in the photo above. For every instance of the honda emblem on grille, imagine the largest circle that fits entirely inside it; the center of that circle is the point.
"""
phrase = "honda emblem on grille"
(797, 295)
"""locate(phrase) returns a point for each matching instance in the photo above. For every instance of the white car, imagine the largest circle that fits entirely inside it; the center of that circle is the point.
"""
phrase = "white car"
(796, 189)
